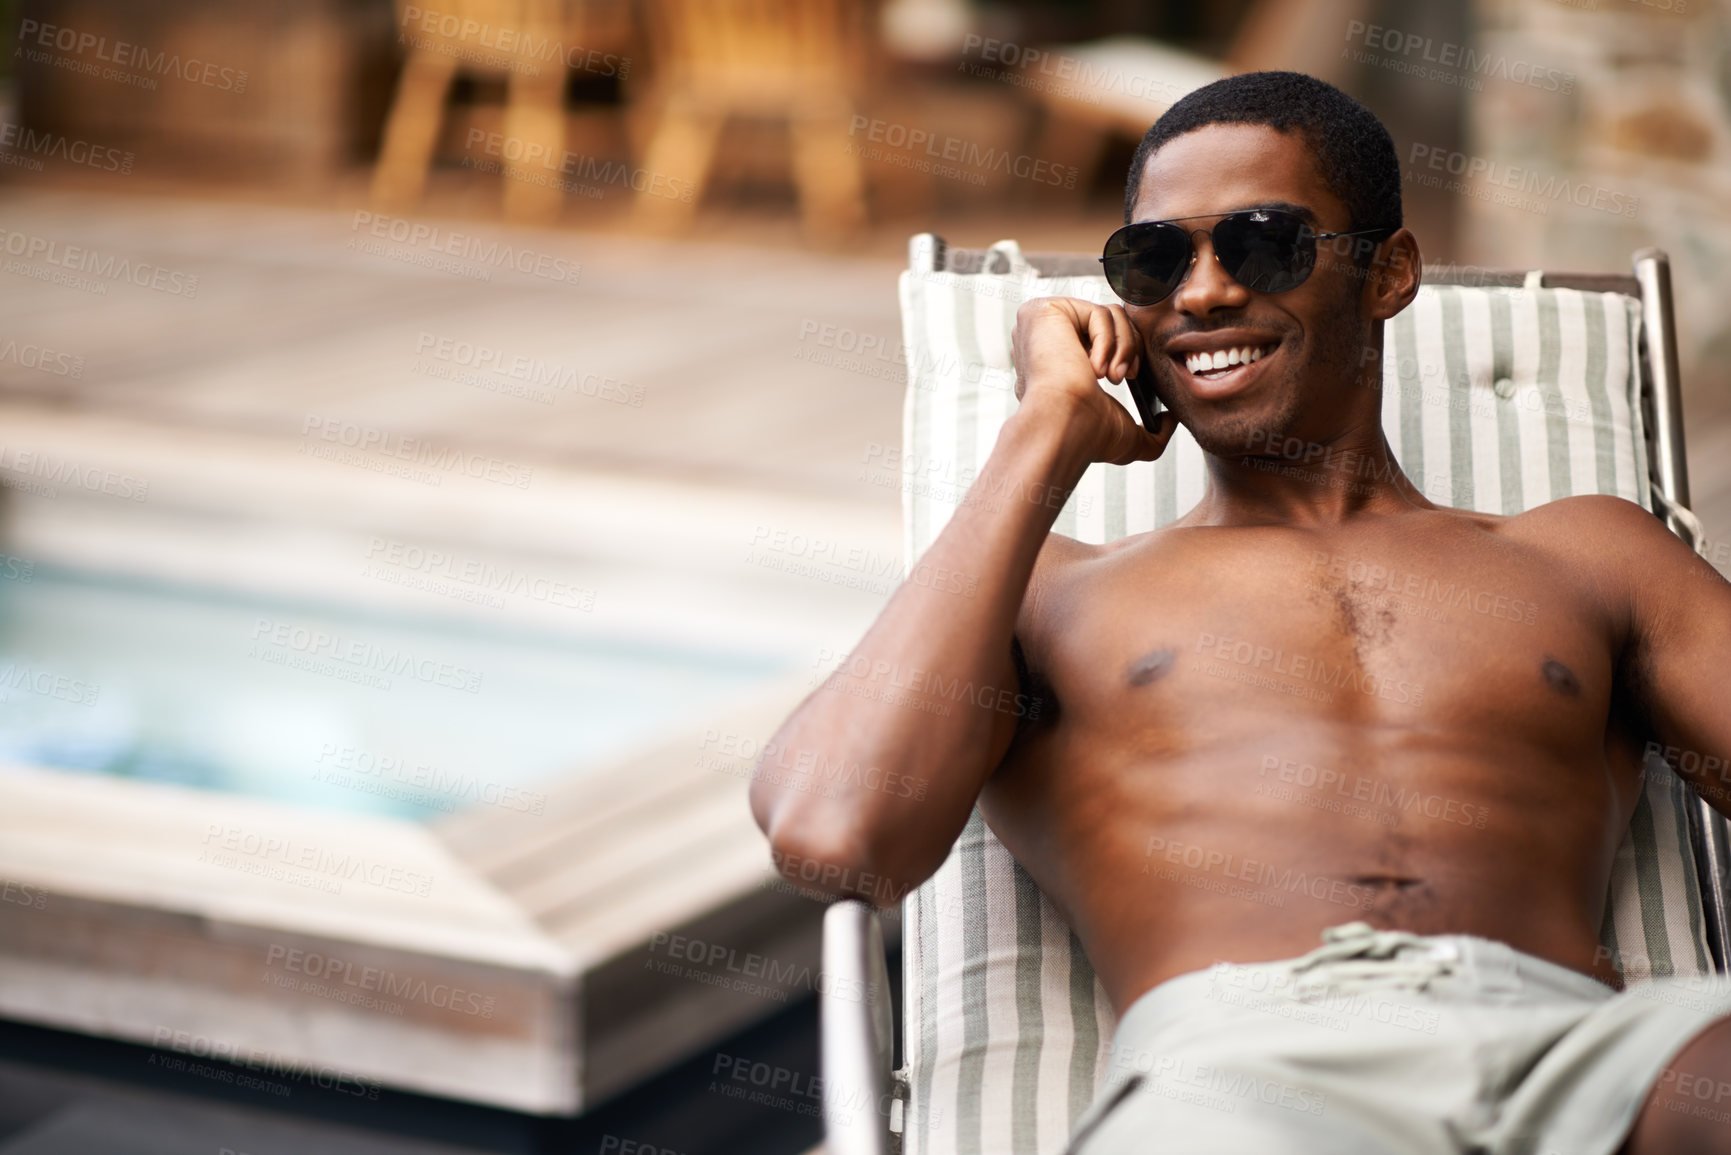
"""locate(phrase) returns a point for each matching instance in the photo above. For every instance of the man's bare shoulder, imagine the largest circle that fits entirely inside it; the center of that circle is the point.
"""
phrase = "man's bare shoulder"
(1610, 543)
(1592, 527)
(1064, 557)
(1589, 509)
(1580, 523)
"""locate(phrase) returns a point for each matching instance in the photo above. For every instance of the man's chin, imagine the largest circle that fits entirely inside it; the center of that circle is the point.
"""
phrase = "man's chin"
(1232, 435)
(1236, 426)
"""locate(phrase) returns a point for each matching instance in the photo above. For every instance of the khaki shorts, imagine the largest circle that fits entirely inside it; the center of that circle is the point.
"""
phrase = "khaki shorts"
(1385, 1042)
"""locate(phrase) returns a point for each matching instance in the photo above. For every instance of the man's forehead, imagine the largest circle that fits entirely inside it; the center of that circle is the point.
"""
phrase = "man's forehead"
(1223, 168)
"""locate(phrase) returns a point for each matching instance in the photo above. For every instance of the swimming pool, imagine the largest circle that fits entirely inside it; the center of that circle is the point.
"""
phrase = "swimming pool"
(361, 712)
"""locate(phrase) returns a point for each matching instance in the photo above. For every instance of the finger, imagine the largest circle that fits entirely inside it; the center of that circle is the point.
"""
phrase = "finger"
(1108, 364)
(1128, 341)
(1101, 340)
(1168, 427)
(1142, 445)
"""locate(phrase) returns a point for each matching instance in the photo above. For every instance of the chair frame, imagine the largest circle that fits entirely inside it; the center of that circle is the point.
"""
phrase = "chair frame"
(858, 1037)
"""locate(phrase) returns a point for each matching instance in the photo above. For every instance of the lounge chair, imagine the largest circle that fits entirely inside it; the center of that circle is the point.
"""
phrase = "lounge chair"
(1501, 391)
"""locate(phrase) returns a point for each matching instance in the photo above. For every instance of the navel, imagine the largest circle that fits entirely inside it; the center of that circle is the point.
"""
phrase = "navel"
(1151, 667)
(1561, 679)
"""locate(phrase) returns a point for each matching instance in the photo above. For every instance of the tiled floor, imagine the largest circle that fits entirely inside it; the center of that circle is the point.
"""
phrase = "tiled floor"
(680, 359)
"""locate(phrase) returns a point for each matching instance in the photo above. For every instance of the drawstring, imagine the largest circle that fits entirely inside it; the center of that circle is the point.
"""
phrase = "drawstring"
(1382, 950)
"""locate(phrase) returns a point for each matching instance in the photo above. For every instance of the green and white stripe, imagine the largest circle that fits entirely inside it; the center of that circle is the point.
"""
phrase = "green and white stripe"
(1493, 399)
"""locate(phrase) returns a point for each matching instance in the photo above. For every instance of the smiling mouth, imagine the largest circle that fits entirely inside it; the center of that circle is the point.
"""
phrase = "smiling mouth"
(1208, 366)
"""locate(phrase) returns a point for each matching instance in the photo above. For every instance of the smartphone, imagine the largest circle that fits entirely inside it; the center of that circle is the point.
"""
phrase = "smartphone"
(1142, 392)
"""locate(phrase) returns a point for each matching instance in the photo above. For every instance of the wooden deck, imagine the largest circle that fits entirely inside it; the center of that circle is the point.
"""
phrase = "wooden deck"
(659, 845)
(221, 927)
(542, 962)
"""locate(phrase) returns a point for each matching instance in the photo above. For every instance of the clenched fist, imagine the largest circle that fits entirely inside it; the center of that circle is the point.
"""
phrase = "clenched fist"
(1062, 346)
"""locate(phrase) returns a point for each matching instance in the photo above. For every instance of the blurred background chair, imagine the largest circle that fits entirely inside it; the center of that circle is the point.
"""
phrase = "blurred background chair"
(1118, 86)
(1006, 1028)
(804, 62)
(526, 41)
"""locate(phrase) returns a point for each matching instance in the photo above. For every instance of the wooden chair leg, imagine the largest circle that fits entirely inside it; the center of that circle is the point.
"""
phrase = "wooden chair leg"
(412, 129)
(677, 163)
(535, 115)
(828, 172)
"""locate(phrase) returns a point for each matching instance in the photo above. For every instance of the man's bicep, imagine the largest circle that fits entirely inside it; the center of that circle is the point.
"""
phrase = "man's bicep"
(1035, 703)
(1029, 646)
(1032, 702)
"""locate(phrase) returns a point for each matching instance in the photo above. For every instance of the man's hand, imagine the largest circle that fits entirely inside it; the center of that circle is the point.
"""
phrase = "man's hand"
(1062, 346)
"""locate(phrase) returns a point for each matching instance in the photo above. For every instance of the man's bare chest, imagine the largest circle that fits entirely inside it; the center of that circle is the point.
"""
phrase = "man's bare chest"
(1455, 628)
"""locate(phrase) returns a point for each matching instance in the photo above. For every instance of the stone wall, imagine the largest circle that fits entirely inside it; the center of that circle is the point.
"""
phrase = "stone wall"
(1600, 127)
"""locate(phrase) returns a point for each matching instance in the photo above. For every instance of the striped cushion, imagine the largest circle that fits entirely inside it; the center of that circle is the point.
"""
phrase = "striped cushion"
(1494, 399)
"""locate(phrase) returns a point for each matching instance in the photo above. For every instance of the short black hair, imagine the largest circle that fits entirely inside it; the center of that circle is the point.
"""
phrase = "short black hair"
(1353, 150)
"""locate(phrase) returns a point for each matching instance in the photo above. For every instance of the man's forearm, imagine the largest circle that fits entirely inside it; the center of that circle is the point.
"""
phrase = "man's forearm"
(929, 696)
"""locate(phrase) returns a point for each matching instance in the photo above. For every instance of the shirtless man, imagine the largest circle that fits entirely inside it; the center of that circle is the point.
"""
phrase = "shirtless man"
(1530, 724)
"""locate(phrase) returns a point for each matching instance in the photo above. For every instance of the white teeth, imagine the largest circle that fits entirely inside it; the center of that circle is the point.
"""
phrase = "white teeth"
(1223, 358)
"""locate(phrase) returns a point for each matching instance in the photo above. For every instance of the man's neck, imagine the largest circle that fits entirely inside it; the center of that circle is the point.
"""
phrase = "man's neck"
(1307, 483)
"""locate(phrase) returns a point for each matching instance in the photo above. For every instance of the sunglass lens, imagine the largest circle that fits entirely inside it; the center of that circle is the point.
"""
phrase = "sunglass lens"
(1266, 252)
(1144, 263)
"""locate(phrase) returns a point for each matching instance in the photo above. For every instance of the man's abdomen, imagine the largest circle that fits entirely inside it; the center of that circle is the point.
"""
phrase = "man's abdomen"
(1246, 848)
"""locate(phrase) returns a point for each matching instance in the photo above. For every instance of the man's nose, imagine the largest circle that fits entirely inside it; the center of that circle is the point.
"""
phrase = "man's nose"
(1207, 286)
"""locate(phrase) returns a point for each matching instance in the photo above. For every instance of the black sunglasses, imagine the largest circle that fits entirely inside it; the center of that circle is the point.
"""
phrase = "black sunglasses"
(1265, 250)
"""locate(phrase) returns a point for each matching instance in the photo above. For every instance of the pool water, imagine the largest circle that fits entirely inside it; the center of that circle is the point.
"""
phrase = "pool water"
(313, 704)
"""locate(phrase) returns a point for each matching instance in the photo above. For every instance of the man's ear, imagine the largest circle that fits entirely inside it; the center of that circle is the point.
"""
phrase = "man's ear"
(1396, 272)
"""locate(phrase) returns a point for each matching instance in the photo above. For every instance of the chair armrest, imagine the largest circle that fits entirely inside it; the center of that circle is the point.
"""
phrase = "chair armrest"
(858, 1034)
